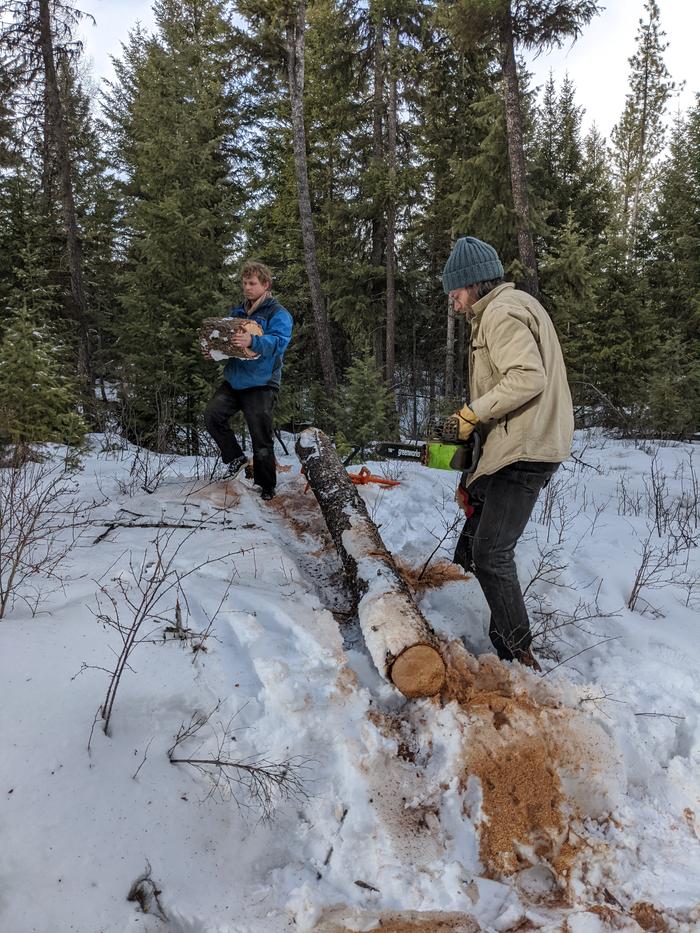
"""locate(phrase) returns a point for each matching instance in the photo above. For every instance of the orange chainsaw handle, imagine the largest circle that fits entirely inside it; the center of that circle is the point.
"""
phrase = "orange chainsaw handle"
(364, 477)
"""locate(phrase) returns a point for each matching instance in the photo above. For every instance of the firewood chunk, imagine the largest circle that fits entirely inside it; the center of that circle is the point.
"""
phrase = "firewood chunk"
(216, 336)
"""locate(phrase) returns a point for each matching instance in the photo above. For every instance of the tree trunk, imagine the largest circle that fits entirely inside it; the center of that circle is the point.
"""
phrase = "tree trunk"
(641, 159)
(516, 158)
(57, 132)
(462, 380)
(392, 119)
(378, 226)
(295, 34)
(414, 369)
(450, 353)
(400, 641)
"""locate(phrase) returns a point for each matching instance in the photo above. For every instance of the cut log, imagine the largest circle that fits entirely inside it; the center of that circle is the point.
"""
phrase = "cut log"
(217, 333)
(402, 644)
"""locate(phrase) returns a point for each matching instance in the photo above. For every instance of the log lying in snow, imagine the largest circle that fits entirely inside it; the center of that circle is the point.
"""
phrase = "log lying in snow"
(402, 644)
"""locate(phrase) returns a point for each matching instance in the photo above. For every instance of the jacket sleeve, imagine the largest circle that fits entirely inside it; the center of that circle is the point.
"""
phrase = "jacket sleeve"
(515, 354)
(277, 336)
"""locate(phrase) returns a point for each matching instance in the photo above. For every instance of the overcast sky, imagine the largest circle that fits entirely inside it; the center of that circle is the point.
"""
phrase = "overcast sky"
(597, 63)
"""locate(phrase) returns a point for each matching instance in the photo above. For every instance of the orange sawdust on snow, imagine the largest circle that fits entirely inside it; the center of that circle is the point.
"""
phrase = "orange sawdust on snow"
(436, 574)
(514, 750)
(649, 917)
(302, 513)
(222, 495)
(409, 921)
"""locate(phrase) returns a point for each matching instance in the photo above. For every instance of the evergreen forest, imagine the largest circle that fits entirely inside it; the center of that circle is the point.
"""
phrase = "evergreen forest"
(346, 145)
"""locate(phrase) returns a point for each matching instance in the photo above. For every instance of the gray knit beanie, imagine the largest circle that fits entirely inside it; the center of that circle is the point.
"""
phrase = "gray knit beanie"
(470, 261)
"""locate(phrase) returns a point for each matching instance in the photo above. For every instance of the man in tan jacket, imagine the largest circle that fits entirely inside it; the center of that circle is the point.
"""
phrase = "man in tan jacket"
(521, 404)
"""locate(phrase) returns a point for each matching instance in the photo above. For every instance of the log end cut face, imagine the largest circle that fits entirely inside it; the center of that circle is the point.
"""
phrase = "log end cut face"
(419, 671)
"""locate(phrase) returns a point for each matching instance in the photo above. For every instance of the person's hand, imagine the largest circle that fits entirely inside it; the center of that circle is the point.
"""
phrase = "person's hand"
(462, 423)
(242, 340)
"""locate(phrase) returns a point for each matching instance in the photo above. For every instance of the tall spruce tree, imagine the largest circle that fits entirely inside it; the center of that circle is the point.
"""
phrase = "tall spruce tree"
(170, 113)
(38, 38)
(674, 276)
(38, 404)
(638, 138)
(504, 25)
(365, 409)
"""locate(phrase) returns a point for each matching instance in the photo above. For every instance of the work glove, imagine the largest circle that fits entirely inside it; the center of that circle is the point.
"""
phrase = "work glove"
(462, 423)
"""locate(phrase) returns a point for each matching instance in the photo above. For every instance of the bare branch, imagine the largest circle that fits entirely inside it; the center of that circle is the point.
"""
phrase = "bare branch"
(263, 782)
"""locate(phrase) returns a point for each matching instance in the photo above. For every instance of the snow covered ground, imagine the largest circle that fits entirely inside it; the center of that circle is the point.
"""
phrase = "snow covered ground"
(564, 801)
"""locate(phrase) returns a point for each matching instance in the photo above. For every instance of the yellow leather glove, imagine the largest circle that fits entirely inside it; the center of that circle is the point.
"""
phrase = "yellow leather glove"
(466, 420)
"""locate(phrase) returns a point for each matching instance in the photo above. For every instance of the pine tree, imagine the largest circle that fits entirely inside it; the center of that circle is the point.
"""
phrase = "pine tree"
(443, 137)
(365, 409)
(483, 199)
(558, 154)
(596, 201)
(171, 120)
(674, 268)
(570, 280)
(37, 37)
(638, 137)
(674, 276)
(38, 404)
(532, 24)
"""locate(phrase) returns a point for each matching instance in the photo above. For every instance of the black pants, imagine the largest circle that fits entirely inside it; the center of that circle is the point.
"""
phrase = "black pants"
(256, 404)
(502, 506)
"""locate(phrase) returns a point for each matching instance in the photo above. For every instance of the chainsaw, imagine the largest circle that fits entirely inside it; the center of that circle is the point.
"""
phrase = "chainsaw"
(441, 449)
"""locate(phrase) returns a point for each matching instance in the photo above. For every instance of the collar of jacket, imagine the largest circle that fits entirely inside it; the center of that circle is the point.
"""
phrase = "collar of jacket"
(482, 304)
(250, 307)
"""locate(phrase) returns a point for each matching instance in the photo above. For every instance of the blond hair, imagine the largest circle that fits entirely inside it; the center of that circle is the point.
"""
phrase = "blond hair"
(251, 267)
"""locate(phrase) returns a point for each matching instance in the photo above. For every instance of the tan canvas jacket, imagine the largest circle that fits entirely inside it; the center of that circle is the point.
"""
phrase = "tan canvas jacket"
(517, 381)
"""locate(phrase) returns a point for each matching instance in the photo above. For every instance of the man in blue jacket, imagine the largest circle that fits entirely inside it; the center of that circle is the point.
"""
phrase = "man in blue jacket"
(251, 385)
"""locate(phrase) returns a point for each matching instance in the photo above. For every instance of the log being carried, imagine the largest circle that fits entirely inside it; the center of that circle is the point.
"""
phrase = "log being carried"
(400, 641)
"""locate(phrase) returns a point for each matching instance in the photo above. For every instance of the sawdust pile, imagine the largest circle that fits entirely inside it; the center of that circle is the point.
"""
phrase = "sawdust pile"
(649, 917)
(409, 921)
(301, 512)
(436, 574)
(222, 495)
(519, 740)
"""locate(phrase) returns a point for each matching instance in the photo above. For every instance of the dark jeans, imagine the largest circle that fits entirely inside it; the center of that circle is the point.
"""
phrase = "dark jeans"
(256, 404)
(502, 506)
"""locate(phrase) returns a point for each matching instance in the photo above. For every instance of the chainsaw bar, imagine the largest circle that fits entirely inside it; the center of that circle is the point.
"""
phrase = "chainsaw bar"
(438, 455)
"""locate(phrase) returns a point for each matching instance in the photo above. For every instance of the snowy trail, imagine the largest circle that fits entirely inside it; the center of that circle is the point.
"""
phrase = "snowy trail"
(564, 802)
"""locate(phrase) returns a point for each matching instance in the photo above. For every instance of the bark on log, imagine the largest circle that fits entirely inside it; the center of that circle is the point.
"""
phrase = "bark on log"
(400, 641)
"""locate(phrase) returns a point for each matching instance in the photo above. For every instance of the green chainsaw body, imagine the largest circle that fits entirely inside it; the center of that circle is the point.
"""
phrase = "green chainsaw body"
(438, 454)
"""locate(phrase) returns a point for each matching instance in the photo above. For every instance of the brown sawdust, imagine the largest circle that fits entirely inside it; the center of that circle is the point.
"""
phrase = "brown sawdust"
(691, 820)
(513, 750)
(414, 922)
(649, 917)
(222, 495)
(614, 919)
(435, 575)
(302, 513)
(396, 727)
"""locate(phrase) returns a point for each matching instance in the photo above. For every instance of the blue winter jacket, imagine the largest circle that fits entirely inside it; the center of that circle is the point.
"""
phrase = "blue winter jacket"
(266, 370)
